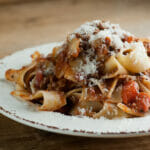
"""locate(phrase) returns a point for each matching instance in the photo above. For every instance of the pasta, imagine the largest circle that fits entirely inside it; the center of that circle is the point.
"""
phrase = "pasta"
(135, 58)
(100, 70)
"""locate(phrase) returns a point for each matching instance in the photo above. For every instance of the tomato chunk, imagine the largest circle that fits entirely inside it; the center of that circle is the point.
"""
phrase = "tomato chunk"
(129, 92)
(143, 102)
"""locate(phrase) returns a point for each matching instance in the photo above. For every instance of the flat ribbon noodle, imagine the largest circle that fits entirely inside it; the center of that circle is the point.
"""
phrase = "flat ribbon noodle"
(52, 100)
(18, 75)
(73, 91)
(86, 108)
(135, 58)
(107, 90)
(110, 111)
(113, 68)
(116, 96)
(129, 111)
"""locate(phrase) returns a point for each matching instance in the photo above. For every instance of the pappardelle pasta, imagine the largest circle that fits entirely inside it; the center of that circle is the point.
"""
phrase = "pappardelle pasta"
(100, 70)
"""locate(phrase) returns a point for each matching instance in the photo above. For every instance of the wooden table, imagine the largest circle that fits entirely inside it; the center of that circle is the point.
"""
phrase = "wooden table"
(29, 23)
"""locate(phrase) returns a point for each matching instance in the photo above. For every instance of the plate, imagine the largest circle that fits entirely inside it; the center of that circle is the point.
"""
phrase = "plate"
(27, 114)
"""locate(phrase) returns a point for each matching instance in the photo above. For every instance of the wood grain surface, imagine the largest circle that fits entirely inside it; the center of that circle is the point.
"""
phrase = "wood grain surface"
(29, 23)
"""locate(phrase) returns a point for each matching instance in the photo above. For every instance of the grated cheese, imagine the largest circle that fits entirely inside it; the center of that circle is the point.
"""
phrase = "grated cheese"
(90, 67)
(116, 35)
(113, 31)
(86, 29)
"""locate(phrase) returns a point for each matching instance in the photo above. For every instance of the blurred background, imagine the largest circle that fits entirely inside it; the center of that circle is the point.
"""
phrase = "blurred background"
(26, 23)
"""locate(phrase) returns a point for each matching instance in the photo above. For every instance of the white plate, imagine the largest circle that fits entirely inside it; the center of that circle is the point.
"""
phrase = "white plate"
(27, 114)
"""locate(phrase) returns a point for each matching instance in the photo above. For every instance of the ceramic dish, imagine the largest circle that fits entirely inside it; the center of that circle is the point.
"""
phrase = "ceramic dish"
(24, 113)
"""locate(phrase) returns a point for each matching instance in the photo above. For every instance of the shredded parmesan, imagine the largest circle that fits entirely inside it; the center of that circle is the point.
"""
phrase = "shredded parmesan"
(113, 31)
(90, 67)
(86, 29)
